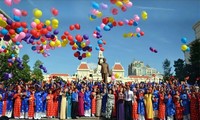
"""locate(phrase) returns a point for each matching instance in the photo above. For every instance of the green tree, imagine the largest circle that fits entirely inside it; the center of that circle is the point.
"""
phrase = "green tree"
(25, 73)
(37, 72)
(179, 66)
(195, 60)
(167, 69)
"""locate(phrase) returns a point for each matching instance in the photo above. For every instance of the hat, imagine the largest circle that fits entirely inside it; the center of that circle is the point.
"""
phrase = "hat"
(196, 87)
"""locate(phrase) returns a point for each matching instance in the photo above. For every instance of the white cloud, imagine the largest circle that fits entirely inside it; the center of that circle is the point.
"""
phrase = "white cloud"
(155, 8)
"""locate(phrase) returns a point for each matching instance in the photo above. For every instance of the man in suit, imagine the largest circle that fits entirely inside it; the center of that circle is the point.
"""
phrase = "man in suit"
(104, 70)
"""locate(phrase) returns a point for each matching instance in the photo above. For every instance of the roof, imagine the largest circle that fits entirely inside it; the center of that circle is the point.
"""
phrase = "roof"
(58, 74)
(118, 66)
(83, 66)
(141, 77)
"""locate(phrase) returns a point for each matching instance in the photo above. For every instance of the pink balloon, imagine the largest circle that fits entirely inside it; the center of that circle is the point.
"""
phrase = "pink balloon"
(136, 18)
(16, 1)
(6, 42)
(1, 49)
(33, 25)
(1, 15)
(8, 2)
(129, 4)
(113, 77)
(22, 35)
(20, 46)
(137, 29)
(94, 35)
(1, 28)
(87, 42)
(102, 25)
(4, 18)
(17, 12)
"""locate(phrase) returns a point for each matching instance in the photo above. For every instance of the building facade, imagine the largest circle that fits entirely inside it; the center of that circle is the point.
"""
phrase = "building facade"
(196, 29)
(118, 69)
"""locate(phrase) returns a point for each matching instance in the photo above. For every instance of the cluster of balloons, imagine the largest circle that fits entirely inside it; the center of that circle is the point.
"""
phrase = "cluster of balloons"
(43, 68)
(184, 47)
(9, 2)
(19, 13)
(122, 4)
(153, 50)
(95, 13)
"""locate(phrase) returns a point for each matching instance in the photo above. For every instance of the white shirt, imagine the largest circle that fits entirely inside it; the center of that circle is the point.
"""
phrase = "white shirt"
(129, 95)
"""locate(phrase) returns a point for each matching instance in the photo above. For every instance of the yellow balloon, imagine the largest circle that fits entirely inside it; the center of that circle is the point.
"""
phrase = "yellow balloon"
(47, 22)
(130, 34)
(37, 13)
(42, 51)
(116, 75)
(184, 47)
(55, 21)
(75, 45)
(58, 43)
(91, 19)
(2, 23)
(88, 54)
(83, 44)
(111, 19)
(44, 43)
(99, 14)
(54, 26)
(52, 44)
(125, 35)
(63, 44)
(65, 41)
(119, 4)
(144, 15)
(37, 21)
(126, 1)
(7, 52)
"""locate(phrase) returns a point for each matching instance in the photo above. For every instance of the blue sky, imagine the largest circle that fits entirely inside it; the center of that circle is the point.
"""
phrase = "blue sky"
(168, 21)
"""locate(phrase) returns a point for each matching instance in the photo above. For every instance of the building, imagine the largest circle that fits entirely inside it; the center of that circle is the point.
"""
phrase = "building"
(65, 77)
(196, 29)
(139, 69)
(83, 70)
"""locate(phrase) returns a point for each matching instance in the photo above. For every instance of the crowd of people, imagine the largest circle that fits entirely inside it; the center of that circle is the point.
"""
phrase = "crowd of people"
(122, 101)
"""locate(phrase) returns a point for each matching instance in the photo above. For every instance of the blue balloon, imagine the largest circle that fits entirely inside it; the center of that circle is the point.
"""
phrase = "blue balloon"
(97, 48)
(110, 25)
(4, 47)
(184, 40)
(4, 31)
(18, 30)
(106, 28)
(135, 23)
(188, 49)
(90, 46)
(33, 48)
(98, 28)
(16, 18)
(100, 42)
(93, 16)
(138, 35)
(17, 43)
(95, 5)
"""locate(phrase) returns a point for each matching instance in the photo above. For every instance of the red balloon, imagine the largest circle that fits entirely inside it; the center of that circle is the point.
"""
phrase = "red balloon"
(49, 28)
(70, 38)
(25, 30)
(39, 26)
(37, 35)
(42, 39)
(114, 23)
(54, 11)
(123, 8)
(84, 55)
(63, 37)
(66, 33)
(44, 31)
(101, 48)
(74, 48)
(33, 32)
(14, 40)
(76, 54)
(38, 42)
(90, 50)
(120, 23)
(113, 1)
(33, 43)
(142, 33)
(100, 45)
(24, 13)
(114, 11)
(105, 20)
(17, 24)
(79, 38)
(8, 27)
(24, 24)
(77, 26)
(11, 31)
(71, 42)
(71, 27)
(104, 42)
(130, 22)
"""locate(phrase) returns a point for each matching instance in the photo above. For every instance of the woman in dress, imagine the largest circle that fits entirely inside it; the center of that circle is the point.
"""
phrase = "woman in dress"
(99, 101)
(161, 110)
(69, 103)
(81, 103)
(87, 104)
(110, 104)
(17, 104)
(56, 102)
(141, 105)
(93, 97)
(104, 101)
(63, 104)
(31, 107)
(148, 104)
(178, 107)
(50, 106)
(135, 106)
(120, 105)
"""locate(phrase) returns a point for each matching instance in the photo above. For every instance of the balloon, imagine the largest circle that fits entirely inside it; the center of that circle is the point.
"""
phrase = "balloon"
(47, 22)
(114, 11)
(52, 43)
(24, 13)
(55, 32)
(71, 27)
(136, 18)
(8, 2)
(22, 35)
(77, 26)
(85, 37)
(79, 38)
(129, 4)
(99, 14)
(119, 4)
(105, 20)
(120, 23)
(100, 42)
(54, 11)
(102, 26)
(113, 77)
(123, 8)
(37, 13)
(83, 44)
(20, 46)
(142, 33)
(116, 75)
(95, 5)
(88, 54)
(17, 12)
(137, 29)
(37, 21)
(184, 47)
(188, 49)
(113, 1)
(135, 23)
(16, 1)
(55, 21)
(104, 6)
(4, 31)
(16, 18)
(184, 40)
(106, 28)
(2, 23)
